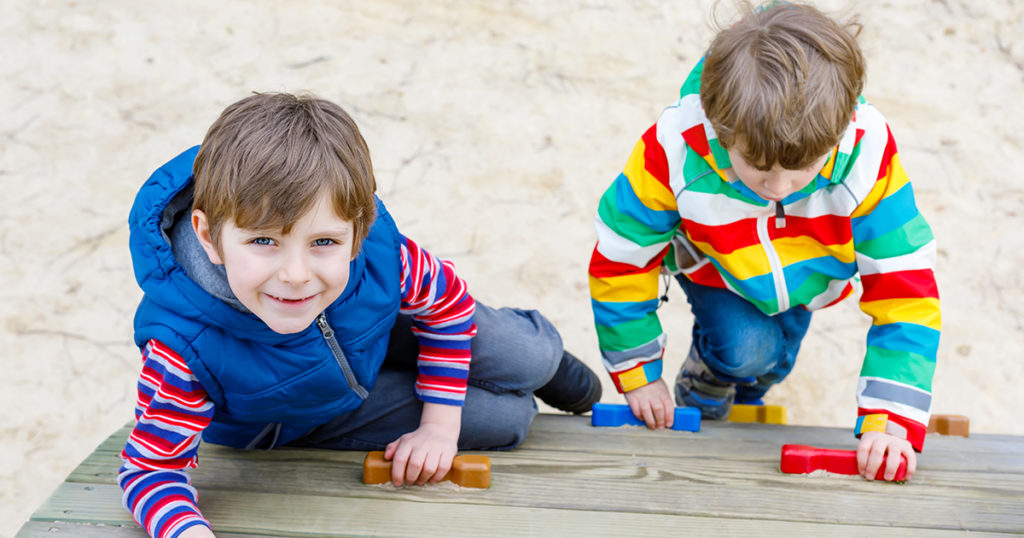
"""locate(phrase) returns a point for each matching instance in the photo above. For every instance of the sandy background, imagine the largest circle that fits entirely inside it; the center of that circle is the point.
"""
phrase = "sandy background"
(494, 128)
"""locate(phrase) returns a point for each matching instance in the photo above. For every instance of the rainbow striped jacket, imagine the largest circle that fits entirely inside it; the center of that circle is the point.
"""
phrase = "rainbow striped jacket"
(856, 221)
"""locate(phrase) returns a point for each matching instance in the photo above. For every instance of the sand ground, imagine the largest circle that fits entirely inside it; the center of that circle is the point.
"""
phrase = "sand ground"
(494, 126)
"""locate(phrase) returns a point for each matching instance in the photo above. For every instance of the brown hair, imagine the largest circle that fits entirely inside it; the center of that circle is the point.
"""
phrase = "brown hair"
(269, 157)
(783, 82)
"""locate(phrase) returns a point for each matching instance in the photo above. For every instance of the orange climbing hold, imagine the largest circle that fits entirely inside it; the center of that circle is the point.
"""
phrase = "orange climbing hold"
(950, 425)
(468, 470)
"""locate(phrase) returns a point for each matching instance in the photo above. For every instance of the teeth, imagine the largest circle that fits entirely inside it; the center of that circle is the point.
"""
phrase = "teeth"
(287, 300)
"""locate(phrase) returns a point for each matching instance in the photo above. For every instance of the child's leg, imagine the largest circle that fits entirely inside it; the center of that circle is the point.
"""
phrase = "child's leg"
(514, 353)
(489, 420)
(520, 352)
(738, 344)
(793, 324)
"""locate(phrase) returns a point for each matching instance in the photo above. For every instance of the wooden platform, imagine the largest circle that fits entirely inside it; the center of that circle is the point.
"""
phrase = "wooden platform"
(570, 479)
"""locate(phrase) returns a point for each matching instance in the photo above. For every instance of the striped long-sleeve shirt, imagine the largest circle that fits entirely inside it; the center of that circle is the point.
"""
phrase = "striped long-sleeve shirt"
(173, 409)
(857, 218)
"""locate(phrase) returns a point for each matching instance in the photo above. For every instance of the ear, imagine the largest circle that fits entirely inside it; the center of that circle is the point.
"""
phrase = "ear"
(201, 226)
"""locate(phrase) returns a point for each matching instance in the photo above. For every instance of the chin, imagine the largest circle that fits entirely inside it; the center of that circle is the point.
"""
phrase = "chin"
(288, 328)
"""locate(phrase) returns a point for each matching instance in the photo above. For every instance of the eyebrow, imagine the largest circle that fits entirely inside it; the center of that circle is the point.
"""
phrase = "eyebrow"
(340, 230)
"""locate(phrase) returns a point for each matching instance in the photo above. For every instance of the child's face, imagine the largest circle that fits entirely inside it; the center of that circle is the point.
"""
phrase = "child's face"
(287, 280)
(774, 184)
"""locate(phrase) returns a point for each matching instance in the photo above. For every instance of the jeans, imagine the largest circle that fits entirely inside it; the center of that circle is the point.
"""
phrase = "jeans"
(514, 353)
(739, 343)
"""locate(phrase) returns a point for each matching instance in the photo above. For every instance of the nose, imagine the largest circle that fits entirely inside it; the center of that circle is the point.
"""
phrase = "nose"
(294, 268)
(776, 185)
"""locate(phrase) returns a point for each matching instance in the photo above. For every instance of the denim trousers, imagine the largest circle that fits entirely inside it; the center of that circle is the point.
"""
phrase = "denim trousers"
(514, 353)
(739, 343)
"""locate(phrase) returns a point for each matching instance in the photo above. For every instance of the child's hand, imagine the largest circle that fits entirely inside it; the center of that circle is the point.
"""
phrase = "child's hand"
(652, 404)
(426, 453)
(872, 450)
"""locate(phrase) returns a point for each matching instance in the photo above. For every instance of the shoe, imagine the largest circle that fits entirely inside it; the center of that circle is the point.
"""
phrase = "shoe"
(697, 387)
(574, 388)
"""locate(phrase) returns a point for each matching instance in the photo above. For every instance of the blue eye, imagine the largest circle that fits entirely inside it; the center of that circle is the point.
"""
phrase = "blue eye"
(323, 242)
(264, 241)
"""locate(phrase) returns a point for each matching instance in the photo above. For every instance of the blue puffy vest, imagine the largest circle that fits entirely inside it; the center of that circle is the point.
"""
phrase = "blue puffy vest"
(268, 388)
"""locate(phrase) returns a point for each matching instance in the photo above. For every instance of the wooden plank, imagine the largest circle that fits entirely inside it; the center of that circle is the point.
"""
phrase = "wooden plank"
(563, 433)
(305, 515)
(43, 529)
(315, 470)
(547, 425)
(688, 485)
(550, 430)
(726, 470)
(571, 434)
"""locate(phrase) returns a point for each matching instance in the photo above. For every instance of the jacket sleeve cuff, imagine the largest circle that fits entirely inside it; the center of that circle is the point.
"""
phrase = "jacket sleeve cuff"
(880, 420)
(637, 376)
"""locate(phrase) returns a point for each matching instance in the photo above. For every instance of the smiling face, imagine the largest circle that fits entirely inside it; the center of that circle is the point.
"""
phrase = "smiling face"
(286, 279)
(774, 184)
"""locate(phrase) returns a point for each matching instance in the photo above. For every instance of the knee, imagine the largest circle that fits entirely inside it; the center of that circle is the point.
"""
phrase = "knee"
(518, 349)
(754, 354)
(482, 430)
(528, 331)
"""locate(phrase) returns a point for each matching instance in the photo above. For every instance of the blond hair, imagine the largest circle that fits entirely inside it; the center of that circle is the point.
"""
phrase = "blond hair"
(268, 158)
(782, 82)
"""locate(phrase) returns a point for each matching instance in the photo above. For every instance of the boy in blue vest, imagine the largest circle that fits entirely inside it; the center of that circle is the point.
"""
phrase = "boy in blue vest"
(283, 307)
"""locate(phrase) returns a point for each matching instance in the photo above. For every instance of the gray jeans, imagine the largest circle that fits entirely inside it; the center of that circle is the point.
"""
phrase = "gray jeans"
(514, 353)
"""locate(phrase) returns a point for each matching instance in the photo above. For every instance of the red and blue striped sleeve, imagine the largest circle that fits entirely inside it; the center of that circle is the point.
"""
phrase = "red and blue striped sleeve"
(171, 412)
(442, 313)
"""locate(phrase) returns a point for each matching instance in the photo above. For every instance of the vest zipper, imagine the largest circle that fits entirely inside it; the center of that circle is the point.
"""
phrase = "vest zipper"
(774, 262)
(274, 427)
(339, 356)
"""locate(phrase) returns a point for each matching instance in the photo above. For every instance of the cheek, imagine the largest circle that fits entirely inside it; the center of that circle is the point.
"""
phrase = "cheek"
(805, 180)
(244, 273)
(242, 282)
(334, 273)
(341, 277)
(749, 175)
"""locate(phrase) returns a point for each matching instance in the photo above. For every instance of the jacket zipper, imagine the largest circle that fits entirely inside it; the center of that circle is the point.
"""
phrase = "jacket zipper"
(774, 262)
(339, 356)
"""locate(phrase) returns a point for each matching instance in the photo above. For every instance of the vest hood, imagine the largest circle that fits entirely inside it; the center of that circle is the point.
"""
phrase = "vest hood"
(259, 380)
(158, 225)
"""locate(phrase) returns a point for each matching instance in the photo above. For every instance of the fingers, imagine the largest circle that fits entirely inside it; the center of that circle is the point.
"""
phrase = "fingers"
(636, 408)
(892, 462)
(413, 464)
(911, 462)
(873, 457)
(863, 448)
(654, 415)
(444, 464)
(877, 450)
(640, 404)
(399, 461)
(653, 405)
(410, 466)
(670, 409)
(897, 451)
(414, 467)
